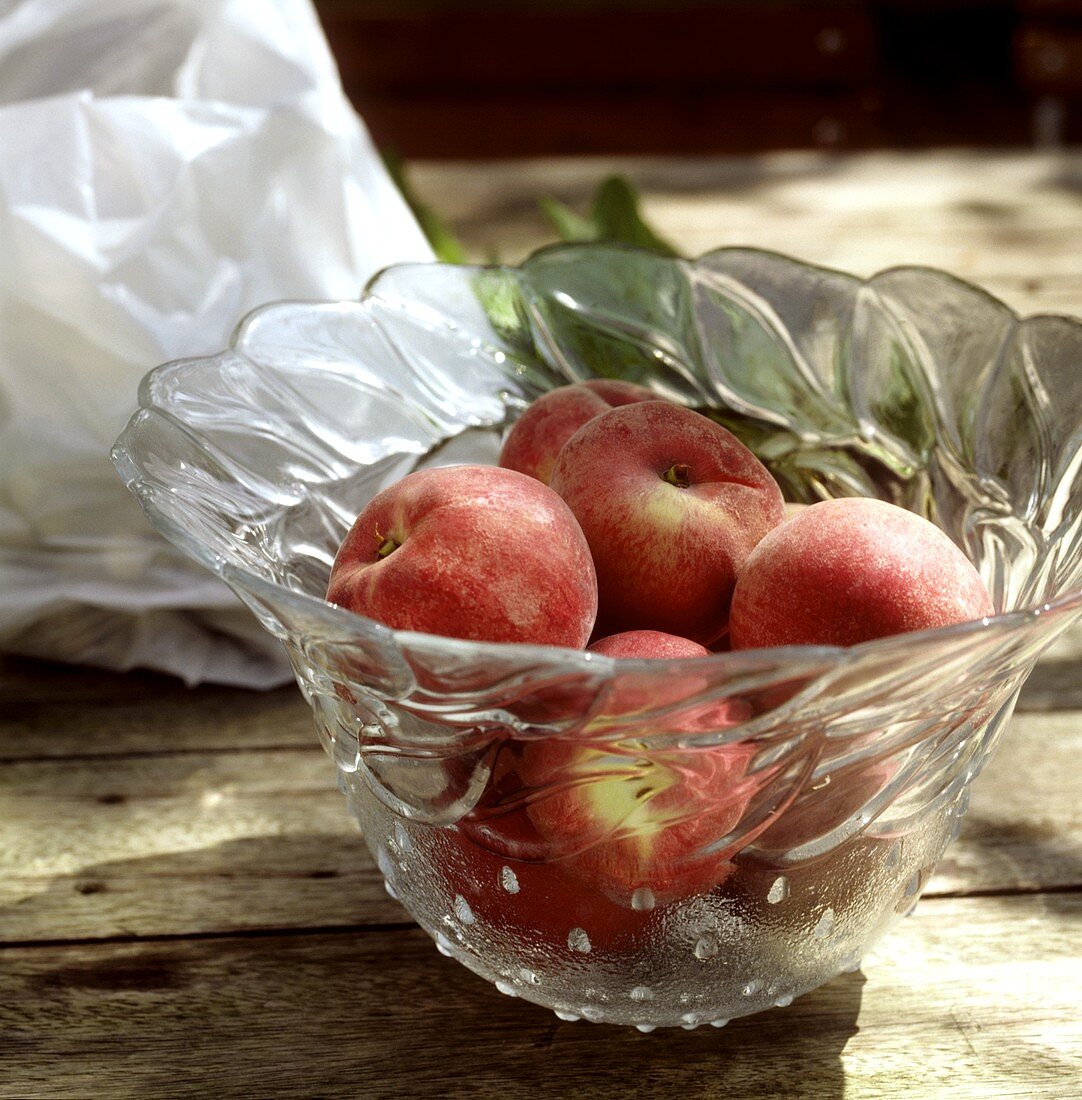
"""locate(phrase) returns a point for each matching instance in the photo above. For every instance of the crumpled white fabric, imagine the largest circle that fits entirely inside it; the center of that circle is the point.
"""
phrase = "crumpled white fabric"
(165, 166)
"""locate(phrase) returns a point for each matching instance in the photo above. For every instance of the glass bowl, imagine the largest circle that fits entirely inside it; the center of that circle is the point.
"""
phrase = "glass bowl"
(844, 773)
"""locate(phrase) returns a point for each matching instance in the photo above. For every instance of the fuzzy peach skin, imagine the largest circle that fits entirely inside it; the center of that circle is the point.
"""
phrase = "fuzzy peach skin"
(848, 571)
(671, 504)
(470, 552)
(631, 695)
(639, 644)
(627, 821)
(549, 422)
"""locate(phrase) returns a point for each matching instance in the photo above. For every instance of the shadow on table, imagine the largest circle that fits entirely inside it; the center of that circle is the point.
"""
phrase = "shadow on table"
(360, 1007)
(242, 886)
(795, 1051)
(1018, 856)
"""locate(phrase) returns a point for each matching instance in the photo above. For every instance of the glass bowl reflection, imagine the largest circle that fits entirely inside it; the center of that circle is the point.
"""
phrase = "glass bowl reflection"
(852, 767)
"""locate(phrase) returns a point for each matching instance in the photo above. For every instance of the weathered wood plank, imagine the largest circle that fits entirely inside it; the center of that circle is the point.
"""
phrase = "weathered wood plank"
(57, 711)
(218, 842)
(971, 997)
(1056, 682)
(1024, 826)
(184, 843)
(1013, 223)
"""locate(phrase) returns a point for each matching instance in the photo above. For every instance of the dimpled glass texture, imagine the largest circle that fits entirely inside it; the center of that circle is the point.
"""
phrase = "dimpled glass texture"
(852, 766)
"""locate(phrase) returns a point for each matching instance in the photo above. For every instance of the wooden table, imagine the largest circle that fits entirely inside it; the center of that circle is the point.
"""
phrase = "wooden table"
(187, 910)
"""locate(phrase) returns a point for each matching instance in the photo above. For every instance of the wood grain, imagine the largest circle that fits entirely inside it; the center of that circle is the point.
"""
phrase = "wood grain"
(57, 712)
(186, 908)
(380, 1014)
(1013, 223)
(183, 843)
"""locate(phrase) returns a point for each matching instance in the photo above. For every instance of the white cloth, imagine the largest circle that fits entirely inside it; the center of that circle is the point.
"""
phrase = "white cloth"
(165, 166)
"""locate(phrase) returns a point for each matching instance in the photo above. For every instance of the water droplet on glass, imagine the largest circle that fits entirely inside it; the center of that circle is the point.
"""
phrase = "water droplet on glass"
(384, 861)
(779, 891)
(706, 946)
(645, 1028)
(851, 966)
(642, 993)
(578, 940)
(784, 1001)
(463, 910)
(390, 889)
(570, 1017)
(912, 887)
(718, 1023)
(506, 988)
(752, 987)
(825, 925)
(402, 838)
(894, 856)
(509, 880)
(690, 1019)
(643, 899)
(529, 976)
(443, 944)
(592, 1013)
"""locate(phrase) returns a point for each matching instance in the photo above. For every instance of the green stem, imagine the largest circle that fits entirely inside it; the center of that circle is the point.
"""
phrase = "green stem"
(387, 546)
(678, 474)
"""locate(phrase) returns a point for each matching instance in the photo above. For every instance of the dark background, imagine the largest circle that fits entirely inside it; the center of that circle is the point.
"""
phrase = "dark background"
(494, 78)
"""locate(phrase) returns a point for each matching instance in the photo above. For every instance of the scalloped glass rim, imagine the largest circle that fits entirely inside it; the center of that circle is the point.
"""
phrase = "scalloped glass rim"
(345, 627)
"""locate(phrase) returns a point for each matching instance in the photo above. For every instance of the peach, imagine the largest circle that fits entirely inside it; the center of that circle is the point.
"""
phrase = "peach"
(671, 504)
(625, 818)
(647, 644)
(537, 902)
(632, 694)
(512, 876)
(470, 552)
(847, 571)
(549, 422)
(636, 821)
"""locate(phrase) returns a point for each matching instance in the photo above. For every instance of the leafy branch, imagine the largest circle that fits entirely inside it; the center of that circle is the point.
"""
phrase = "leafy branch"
(615, 215)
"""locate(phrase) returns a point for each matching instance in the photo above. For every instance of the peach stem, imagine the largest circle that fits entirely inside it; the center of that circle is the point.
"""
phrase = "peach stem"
(678, 474)
(387, 545)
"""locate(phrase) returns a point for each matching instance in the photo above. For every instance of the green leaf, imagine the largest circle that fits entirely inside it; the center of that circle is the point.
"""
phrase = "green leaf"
(618, 218)
(445, 244)
(614, 216)
(570, 226)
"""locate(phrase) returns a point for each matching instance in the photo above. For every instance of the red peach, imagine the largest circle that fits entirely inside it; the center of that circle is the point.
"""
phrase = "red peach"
(549, 422)
(848, 571)
(822, 808)
(638, 820)
(630, 695)
(647, 644)
(534, 902)
(618, 392)
(671, 504)
(513, 878)
(470, 552)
